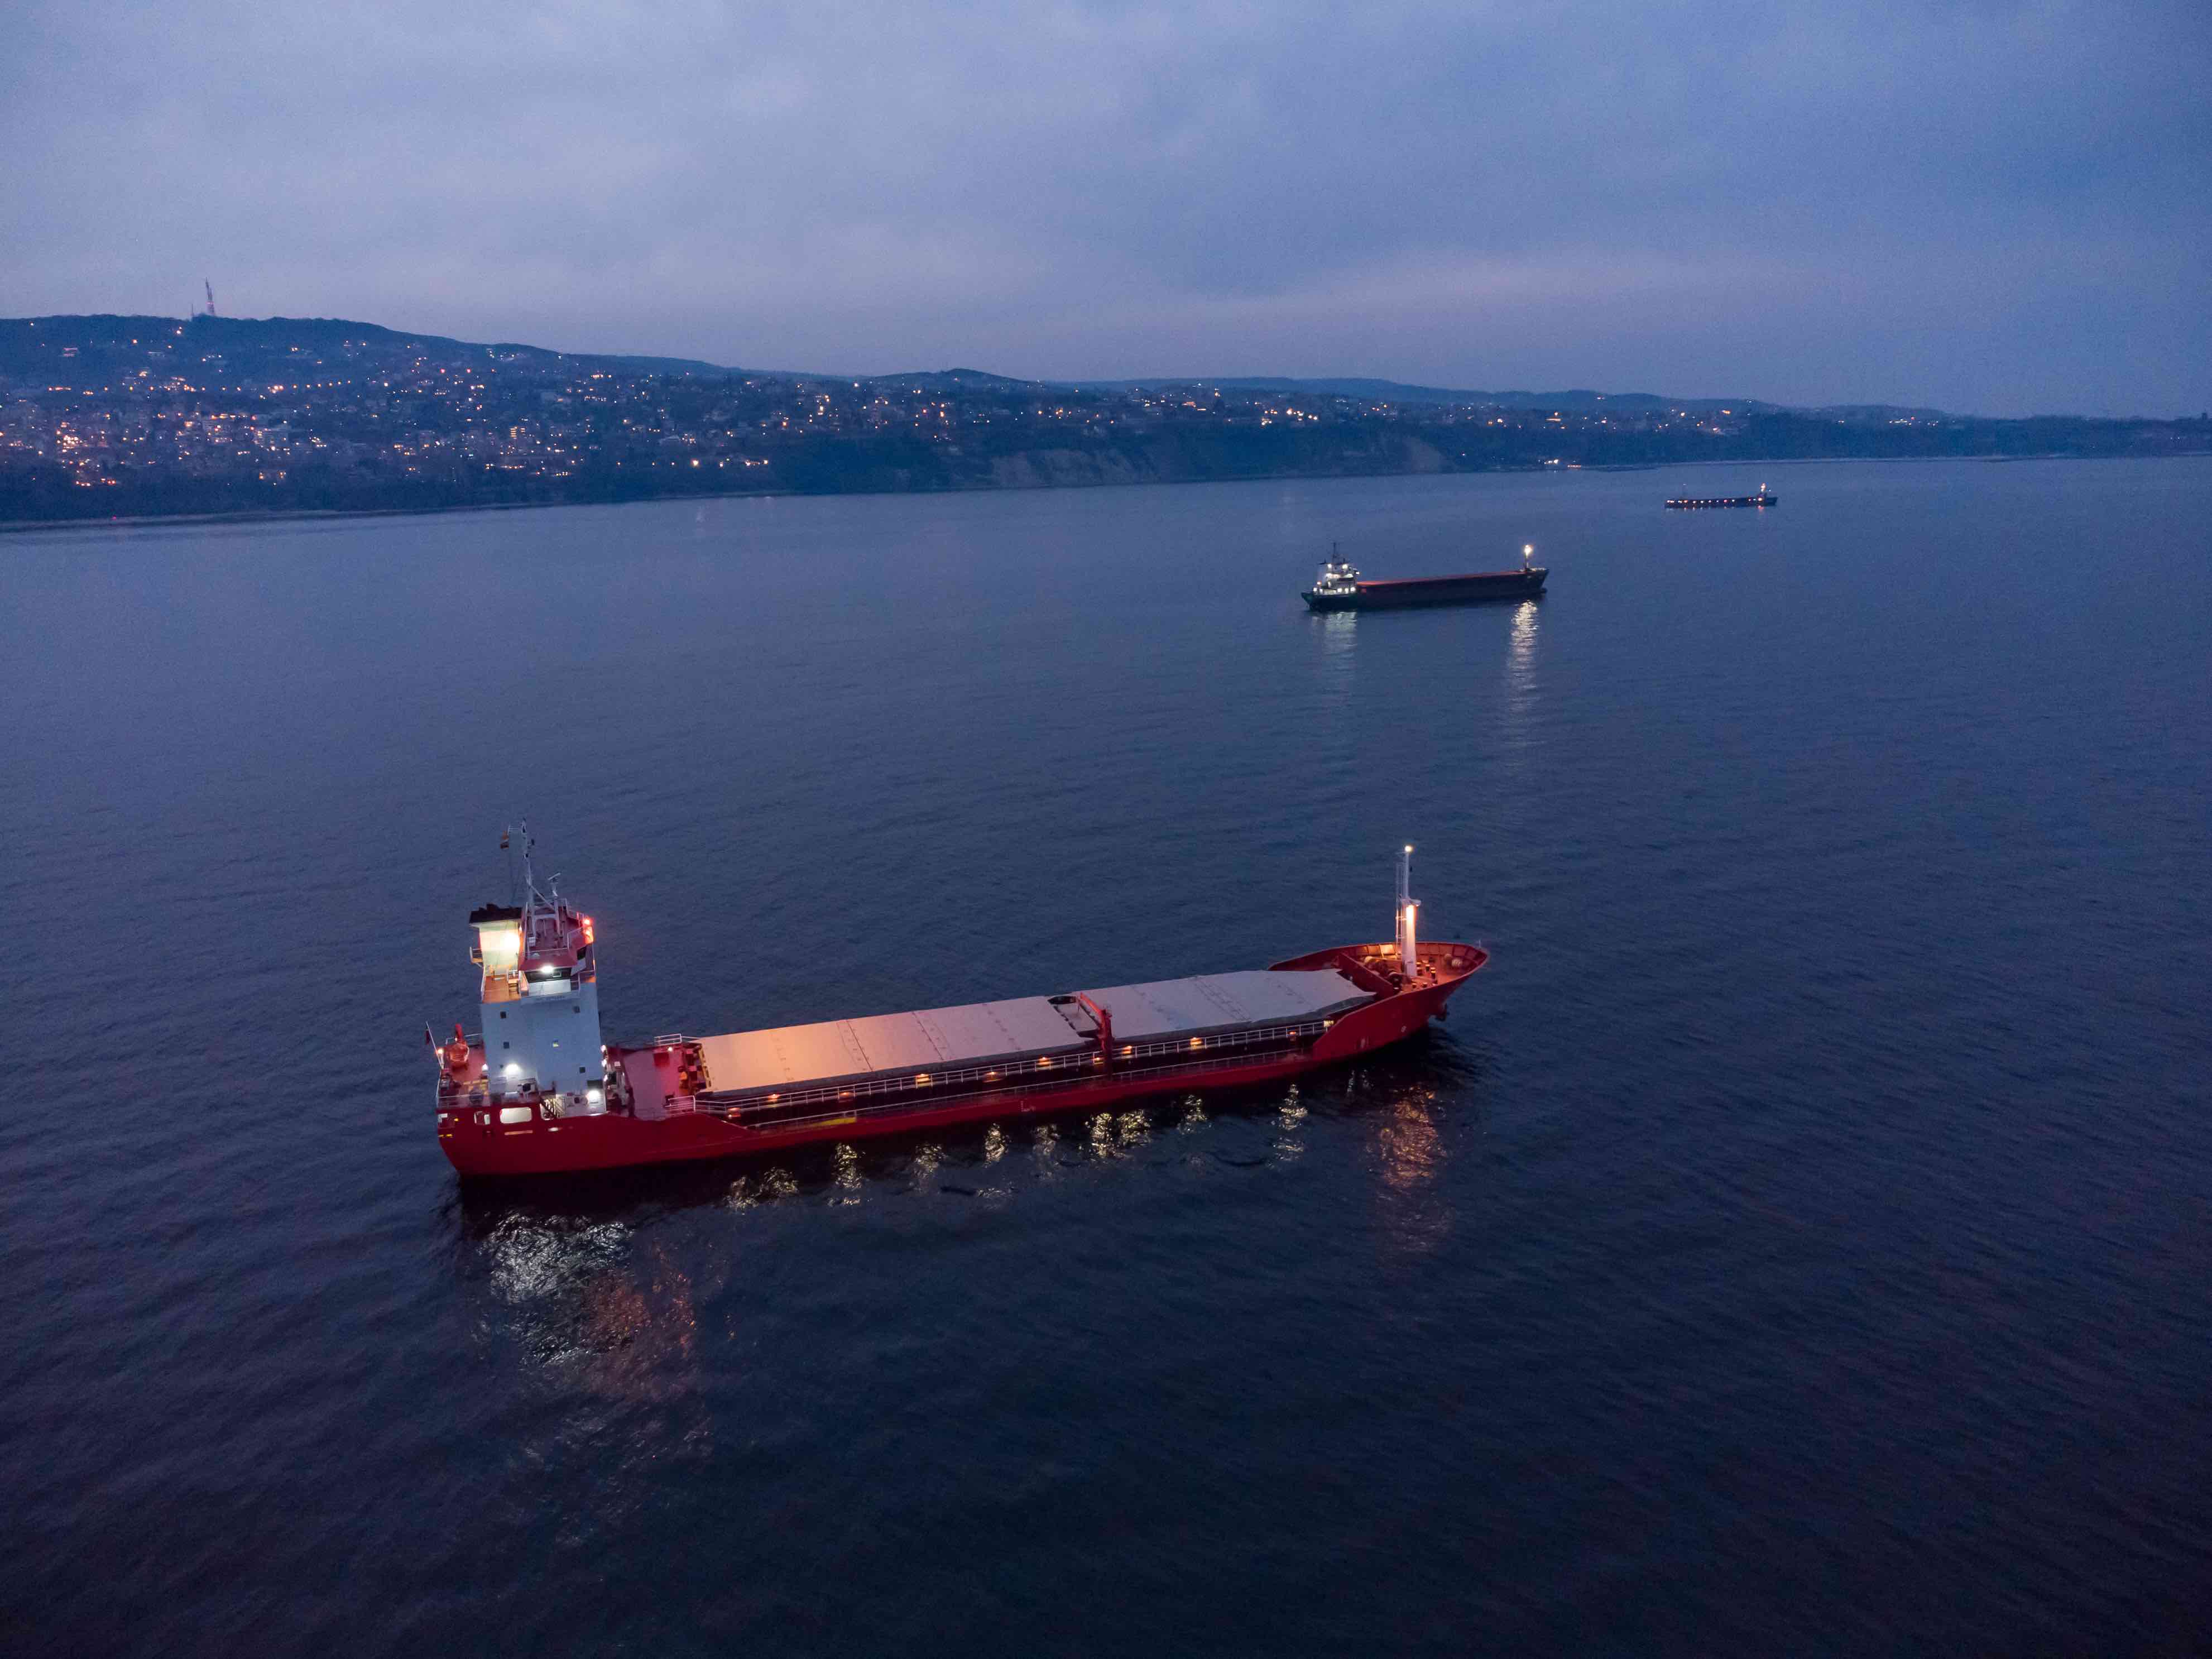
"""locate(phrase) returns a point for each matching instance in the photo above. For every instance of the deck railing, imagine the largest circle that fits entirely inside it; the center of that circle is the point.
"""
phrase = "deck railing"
(851, 1110)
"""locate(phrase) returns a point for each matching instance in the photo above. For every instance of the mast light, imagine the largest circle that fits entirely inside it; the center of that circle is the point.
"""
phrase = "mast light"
(1408, 907)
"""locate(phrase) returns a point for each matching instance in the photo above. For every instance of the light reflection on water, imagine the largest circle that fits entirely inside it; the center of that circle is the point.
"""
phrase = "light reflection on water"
(595, 1296)
(1521, 691)
(1521, 660)
(1290, 1122)
(1044, 1152)
(603, 1307)
(528, 1263)
(636, 1331)
(591, 1300)
(754, 1188)
(1339, 631)
(846, 1162)
(1416, 1214)
(1337, 676)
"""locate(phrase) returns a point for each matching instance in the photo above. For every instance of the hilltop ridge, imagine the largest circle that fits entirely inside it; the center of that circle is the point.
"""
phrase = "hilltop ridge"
(259, 343)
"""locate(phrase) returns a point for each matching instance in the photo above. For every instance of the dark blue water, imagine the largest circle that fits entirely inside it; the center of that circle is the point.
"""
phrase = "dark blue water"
(1796, 1242)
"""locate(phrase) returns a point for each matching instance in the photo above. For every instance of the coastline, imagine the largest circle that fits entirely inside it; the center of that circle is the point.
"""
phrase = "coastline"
(279, 516)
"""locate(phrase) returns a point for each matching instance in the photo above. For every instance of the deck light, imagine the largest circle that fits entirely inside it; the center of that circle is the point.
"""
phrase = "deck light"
(502, 947)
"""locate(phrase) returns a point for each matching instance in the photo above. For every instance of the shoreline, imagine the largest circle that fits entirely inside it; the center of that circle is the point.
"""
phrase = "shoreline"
(256, 516)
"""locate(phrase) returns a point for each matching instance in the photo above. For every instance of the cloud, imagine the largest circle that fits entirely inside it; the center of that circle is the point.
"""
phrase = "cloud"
(1818, 201)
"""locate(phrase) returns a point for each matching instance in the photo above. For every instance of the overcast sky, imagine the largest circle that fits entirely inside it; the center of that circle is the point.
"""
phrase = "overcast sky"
(1971, 203)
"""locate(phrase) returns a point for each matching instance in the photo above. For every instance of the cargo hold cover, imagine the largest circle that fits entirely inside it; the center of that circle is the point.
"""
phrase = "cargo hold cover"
(1214, 1002)
(968, 1035)
(978, 1033)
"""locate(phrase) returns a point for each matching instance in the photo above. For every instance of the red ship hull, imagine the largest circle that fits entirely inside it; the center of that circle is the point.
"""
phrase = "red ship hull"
(480, 1144)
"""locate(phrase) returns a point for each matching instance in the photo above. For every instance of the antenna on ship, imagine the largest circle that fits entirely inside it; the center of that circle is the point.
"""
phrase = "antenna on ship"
(1409, 949)
(528, 888)
(529, 875)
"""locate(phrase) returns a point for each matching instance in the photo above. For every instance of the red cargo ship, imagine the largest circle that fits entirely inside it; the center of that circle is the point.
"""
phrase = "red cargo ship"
(535, 1092)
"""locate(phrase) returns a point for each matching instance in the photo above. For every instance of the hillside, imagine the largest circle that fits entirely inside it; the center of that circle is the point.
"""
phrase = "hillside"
(114, 415)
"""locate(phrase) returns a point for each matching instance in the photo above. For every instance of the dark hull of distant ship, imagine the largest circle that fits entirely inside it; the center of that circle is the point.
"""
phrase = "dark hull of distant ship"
(1433, 590)
(1760, 499)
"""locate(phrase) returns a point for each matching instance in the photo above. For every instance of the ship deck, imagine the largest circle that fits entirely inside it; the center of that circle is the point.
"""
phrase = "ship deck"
(976, 1040)
(1516, 574)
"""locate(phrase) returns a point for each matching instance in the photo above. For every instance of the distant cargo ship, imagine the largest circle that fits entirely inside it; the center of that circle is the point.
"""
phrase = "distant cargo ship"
(1762, 499)
(537, 1092)
(1340, 588)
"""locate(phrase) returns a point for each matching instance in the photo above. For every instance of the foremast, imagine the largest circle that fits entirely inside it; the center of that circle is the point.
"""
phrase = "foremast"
(1408, 911)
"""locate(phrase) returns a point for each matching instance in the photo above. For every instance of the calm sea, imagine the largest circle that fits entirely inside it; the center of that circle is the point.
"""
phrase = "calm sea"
(1796, 1242)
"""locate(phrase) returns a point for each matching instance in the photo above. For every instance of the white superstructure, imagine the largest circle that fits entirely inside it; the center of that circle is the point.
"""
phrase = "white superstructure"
(540, 1001)
(1338, 577)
